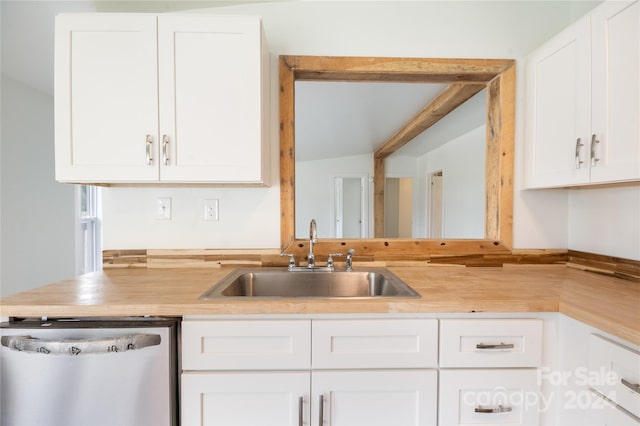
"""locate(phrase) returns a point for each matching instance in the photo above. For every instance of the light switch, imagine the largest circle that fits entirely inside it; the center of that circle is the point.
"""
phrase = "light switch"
(211, 212)
(163, 208)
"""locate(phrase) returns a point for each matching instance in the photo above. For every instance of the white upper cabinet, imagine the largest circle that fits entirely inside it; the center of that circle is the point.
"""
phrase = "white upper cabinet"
(170, 98)
(583, 102)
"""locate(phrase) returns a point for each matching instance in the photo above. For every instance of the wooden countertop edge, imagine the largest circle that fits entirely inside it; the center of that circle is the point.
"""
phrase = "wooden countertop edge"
(606, 303)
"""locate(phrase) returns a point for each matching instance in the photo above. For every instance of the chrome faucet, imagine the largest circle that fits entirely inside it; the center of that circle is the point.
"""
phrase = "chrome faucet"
(313, 238)
(349, 263)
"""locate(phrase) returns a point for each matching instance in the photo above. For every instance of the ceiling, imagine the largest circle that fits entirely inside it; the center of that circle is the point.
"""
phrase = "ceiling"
(339, 119)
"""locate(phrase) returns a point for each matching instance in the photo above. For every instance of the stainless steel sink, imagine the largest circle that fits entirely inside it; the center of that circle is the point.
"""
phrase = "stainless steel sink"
(280, 283)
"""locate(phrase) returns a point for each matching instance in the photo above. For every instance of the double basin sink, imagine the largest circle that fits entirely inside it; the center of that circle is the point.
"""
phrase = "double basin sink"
(271, 283)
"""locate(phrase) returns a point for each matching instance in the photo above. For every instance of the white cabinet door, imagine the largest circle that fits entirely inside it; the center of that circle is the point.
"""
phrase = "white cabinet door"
(374, 398)
(605, 413)
(234, 399)
(491, 396)
(583, 101)
(375, 343)
(171, 98)
(246, 345)
(211, 95)
(106, 98)
(557, 110)
(616, 92)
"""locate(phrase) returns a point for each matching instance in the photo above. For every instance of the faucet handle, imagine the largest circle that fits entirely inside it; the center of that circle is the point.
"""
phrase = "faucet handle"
(292, 259)
(330, 258)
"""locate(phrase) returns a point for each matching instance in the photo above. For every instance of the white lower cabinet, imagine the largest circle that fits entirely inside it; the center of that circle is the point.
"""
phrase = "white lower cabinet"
(310, 372)
(615, 378)
(489, 396)
(475, 388)
(374, 398)
(245, 398)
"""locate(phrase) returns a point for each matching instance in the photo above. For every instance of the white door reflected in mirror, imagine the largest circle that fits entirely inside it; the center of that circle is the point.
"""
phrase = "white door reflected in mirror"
(350, 207)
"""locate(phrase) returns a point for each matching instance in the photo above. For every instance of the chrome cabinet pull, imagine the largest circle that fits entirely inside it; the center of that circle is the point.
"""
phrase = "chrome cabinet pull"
(594, 158)
(579, 146)
(165, 149)
(149, 141)
(80, 346)
(492, 410)
(634, 387)
(321, 415)
(495, 346)
(300, 408)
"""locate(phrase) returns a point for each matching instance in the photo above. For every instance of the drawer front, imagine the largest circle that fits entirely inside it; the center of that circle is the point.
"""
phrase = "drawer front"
(246, 345)
(504, 396)
(490, 343)
(606, 413)
(376, 343)
(615, 372)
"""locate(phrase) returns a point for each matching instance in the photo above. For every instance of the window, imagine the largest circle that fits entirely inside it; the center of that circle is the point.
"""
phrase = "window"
(89, 244)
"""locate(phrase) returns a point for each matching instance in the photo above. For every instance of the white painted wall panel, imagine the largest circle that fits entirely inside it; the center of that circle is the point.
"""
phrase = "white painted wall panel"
(605, 221)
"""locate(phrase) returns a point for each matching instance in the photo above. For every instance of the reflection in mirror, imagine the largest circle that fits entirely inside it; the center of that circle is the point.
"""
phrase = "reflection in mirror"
(339, 127)
(463, 78)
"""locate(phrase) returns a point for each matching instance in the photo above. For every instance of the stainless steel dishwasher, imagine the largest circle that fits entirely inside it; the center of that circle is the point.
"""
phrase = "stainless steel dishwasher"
(89, 372)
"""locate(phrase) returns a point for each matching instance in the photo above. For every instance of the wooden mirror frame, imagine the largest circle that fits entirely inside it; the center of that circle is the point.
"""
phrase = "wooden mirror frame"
(497, 75)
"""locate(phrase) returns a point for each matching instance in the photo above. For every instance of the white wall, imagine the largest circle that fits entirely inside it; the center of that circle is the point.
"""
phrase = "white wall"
(314, 190)
(38, 219)
(420, 29)
(463, 190)
(605, 221)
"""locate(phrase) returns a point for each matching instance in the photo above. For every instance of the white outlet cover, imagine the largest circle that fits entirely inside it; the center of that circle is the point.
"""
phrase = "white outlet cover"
(211, 210)
(163, 208)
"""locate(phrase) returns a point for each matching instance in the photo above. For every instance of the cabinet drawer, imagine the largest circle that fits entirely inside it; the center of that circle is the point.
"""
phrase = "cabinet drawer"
(615, 373)
(396, 343)
(505, 396)
(246, 345)
(490, 343)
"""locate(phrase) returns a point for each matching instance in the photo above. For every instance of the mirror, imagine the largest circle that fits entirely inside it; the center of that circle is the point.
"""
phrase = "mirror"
(340, 125)
(463, 78)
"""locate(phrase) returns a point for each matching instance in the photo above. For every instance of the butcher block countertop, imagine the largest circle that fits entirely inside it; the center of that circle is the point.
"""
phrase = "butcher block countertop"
(610, 304)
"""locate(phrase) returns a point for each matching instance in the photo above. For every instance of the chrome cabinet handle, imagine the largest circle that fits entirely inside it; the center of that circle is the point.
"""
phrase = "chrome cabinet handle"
(80, 346)
(634, 387)
(594, 143)
(149, 147)
(579, 146)
(495, 346)
(165, 149)
(492, 410)
(321, 415)
(300, 408)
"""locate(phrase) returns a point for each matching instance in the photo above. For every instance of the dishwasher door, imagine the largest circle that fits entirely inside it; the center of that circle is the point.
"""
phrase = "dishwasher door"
(88, 373)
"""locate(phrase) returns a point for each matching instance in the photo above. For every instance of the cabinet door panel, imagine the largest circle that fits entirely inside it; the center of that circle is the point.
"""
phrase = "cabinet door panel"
(490, 343)
(375, 398)
(375, 343)
(557, 109)
(238, 344)
(615, 372)
(106, 98)
(468, 397)
(616, 92)
(210, 98)
(243, 399)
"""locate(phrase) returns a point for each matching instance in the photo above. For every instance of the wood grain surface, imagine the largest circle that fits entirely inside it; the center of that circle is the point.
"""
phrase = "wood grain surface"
(609, 303)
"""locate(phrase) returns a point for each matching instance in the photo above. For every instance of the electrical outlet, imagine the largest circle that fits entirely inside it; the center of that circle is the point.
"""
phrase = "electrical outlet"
(211, 210)
(163, 208)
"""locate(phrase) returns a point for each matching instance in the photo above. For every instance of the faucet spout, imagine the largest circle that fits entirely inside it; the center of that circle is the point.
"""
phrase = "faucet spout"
(313, 238)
